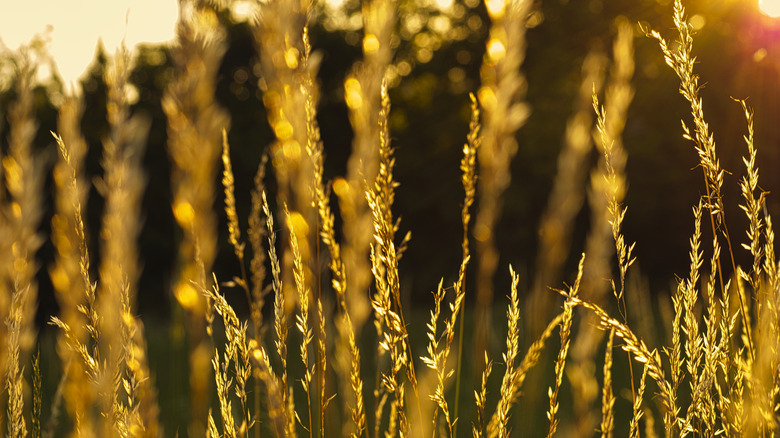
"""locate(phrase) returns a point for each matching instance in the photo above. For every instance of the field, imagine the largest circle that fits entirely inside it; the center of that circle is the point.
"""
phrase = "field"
(315, 334)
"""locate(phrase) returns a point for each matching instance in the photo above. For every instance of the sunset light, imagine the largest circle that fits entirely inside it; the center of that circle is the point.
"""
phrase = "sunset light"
(770, 7)
(395, 218)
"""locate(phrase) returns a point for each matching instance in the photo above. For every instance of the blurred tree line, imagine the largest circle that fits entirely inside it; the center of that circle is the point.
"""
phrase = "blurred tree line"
(437, 64)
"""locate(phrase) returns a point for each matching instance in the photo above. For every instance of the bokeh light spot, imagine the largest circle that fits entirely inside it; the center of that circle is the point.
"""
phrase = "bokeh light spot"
(352, 93)
(444, 4)
(186, 295)
(184, 213)
(759, 55)
(698, 21)
(495, 8)
(370, 44)
(495, 50)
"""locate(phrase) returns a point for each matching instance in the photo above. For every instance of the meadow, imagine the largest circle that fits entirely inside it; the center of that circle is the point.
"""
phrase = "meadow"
(329, 344)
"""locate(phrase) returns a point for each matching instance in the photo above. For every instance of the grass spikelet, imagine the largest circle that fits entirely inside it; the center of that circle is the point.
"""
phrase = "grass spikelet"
(712, 353)
(256, 235)
(393, 336)
(290, 98)
(437, 356)
(302, 321)
(236, 352)
(752, 206)
(394, 342)
(255, 289)
(521, 373)
(607, 396)
(770, 267)
(212, 430)
(611, 119)
(385, 256)
(280, 318)
(568, 311)
(144, 412)
(689, 290)
(277, 408)
(735, 407)
(633, 431)
(314, 149)
(763, 375)
(512, 347)
(313, 141)
(384, 259)
(234, 230)
(480, 397)
(432, 360)
(339, 283)
(676, 361)
(35, 418)
(639, 352)
(727, 396)
(356, 382)
(322, 365)
(681, 60)
(468, 168)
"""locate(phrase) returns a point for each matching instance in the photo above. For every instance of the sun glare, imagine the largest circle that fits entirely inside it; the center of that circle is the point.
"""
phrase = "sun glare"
(770, 7)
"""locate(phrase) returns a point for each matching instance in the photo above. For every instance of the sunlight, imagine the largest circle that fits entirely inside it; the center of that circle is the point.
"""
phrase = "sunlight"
(770, 7)
(75, 30)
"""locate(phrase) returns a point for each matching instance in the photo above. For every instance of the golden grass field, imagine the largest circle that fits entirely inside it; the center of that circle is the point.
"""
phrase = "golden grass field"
(327, 348)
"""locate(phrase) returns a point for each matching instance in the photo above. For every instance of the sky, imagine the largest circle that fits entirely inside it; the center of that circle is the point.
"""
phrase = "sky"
(76, 26)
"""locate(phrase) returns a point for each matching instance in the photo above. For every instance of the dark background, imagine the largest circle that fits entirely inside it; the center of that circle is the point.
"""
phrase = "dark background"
(738, 54)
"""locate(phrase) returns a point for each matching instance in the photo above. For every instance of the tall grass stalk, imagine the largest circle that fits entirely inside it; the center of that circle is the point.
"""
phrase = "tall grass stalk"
(566, 198)
(22, 214)
(681, 60)
(468, 168)
(74, 288)
(608, 188)
(607, 396)
(195, 124)
(362, 94)
(565, 202)
(501, 96)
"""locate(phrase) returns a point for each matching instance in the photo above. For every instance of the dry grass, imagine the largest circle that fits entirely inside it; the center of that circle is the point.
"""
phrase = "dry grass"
(718, 375)
(501, 96)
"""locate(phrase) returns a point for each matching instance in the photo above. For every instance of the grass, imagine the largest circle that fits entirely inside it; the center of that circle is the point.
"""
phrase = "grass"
(356, 362)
